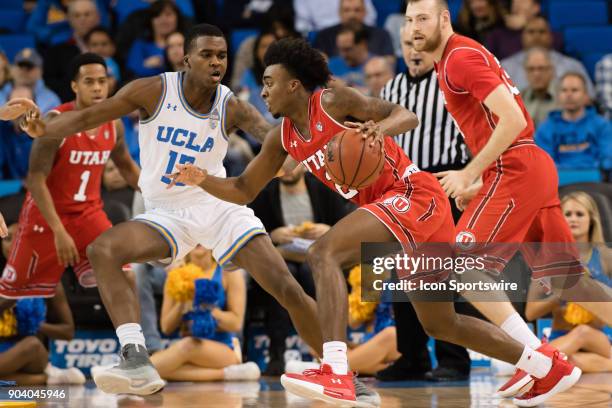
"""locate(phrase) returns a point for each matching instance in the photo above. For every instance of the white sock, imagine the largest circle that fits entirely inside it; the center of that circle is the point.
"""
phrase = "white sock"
(334, 354)
(130, 333)
(534, 363)
(516, 328)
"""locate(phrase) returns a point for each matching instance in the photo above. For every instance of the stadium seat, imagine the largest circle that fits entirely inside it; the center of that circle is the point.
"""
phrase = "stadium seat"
(590, 60)
(11, 5)
(454, 6)
(13, 43)
(384, 8)
(585, 40)
(576, 13)
(571, 176)
(12, 20)
(238, 36)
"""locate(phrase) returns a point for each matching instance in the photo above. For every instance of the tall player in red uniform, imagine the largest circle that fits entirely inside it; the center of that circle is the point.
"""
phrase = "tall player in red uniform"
(517, 200)
(63, 205)
(404, 204)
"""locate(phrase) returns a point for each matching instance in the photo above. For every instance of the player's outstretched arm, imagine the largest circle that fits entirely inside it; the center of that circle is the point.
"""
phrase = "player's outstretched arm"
(122, 159)
(140, 94)
(244, 116)
(244, 188)
(16, 107)
(391, 119)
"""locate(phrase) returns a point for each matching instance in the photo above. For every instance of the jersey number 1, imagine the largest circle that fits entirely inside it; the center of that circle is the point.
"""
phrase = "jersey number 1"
(184, 159)
(80, 195)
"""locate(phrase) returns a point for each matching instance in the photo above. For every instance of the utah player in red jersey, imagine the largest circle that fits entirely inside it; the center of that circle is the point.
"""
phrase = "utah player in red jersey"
(509, 188)
(9, 111)
(63, 210)
(404, 204)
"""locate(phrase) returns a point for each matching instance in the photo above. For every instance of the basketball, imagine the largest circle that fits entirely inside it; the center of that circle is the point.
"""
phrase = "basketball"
(350, 160)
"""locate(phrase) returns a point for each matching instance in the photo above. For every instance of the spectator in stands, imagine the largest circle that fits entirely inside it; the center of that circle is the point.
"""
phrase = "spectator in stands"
(575, 331)
(50, 20)
(27, 72)
(603, 79)
(378, 72)
(576, 136)
(175, 53)
(537, 33)
(211, 353)
(83, 15)
(539, 97)
(5, 70)
(251, 82)
(353, 51)
(477, 18)
(146, 55)
(316, 15)
(100, 41)
(16, 145)
(279, 20)
(293, 206)
(353, 13)
(503, 41)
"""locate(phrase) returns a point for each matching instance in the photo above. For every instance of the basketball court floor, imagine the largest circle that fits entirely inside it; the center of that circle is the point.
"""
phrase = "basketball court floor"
(593, 390)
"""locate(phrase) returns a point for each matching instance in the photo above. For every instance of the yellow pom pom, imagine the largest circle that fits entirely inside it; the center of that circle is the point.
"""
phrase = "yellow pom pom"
(8, 324)
(576, 314)
(180, 284)
(359, 312)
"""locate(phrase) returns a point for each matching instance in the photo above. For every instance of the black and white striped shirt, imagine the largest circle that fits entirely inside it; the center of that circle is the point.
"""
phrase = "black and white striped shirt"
(436, 144)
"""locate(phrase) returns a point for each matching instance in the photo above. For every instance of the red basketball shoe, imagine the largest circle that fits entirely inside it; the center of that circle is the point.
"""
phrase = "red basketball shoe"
(562, 376)
(322, 384)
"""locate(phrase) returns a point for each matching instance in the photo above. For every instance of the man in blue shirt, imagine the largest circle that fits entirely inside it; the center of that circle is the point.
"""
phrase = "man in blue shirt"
(576, 136)
(349, 65)
(27, 71)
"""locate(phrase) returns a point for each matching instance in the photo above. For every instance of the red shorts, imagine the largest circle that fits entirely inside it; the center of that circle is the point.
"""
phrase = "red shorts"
(417, 212)
(33, 269)
(518, 208)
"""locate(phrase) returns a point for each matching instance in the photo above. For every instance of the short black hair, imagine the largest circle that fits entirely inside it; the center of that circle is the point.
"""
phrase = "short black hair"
(84, 59)
(302, 61)
(98, 29)
(201, 30)
(360, 34)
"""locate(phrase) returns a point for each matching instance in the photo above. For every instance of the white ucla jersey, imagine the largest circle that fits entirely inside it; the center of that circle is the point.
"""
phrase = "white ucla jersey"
(177, 134)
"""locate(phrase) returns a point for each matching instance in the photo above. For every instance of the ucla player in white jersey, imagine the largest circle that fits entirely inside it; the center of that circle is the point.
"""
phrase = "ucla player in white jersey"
(185, 118)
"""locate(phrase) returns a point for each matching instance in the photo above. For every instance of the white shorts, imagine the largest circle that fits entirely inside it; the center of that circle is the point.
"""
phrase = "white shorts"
(217, 225)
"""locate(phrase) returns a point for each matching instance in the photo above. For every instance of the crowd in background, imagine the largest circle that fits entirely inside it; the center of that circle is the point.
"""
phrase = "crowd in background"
(570, 106)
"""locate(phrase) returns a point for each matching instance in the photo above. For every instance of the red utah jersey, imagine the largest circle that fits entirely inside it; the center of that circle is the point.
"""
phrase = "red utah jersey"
(76, 176)
(467, 74)
(312, 153)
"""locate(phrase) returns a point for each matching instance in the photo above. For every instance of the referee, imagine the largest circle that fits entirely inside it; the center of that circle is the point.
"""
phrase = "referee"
(435, 145)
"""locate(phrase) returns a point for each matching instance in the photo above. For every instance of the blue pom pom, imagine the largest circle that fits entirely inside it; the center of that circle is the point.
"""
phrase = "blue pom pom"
(207, 292)
(383, 317)
(30, 314)
(204, 325)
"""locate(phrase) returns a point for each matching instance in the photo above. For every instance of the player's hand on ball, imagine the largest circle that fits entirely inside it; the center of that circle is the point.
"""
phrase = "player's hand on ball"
(32, 124)
(370, 130)
(16, 107)
(454, 182)
(3, 228)
(187, 174)
(67, 253)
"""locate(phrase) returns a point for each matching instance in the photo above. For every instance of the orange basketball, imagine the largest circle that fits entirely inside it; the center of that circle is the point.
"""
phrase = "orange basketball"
(350, 160)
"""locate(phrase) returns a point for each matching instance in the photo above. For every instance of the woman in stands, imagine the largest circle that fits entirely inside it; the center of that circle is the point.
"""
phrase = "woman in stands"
(477, 18)
(215, 354)
(575, 331)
